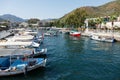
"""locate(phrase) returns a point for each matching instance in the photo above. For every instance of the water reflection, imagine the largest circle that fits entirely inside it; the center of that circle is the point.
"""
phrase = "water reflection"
(73, 44)
(102, 46)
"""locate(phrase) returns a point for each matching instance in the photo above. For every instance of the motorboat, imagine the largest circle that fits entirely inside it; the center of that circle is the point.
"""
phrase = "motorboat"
(75, 33)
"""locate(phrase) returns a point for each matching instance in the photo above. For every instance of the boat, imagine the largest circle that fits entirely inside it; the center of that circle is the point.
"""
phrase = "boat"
(39, 53)
(20, 66)
(104, 39)
(51, 33)
(18, 37)
(39, 39)
(34, 44)
(31, 53)
(30, 32)
(75, 33)
(19, 43)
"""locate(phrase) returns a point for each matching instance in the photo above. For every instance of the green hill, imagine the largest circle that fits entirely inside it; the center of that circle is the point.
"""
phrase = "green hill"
(103, 10)
(77, 16)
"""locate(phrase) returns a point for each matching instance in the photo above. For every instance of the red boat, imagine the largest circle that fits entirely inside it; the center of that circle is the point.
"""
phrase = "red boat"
(75, 33)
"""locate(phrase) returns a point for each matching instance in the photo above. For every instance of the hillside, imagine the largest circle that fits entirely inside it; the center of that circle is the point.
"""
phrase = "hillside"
(11, 18)
(103, 10)
(76, 17)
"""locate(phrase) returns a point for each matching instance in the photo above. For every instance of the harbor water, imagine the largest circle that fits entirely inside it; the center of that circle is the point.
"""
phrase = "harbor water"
(71, 58)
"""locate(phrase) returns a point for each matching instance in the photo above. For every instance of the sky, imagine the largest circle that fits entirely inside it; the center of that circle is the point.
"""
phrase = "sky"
(44, 9)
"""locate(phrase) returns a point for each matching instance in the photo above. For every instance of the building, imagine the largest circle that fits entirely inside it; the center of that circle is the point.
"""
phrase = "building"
(23, 24)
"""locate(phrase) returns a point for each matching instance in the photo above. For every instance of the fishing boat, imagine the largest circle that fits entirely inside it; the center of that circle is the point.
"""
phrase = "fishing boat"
(75, 33)
(20, 66)
(104, 39)
(39, 39)
(34, 44)
(39, 53)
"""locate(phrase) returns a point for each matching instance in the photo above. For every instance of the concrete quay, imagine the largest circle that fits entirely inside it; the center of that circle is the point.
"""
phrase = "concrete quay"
(116, 35)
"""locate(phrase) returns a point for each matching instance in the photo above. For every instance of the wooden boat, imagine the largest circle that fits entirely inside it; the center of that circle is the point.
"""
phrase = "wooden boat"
(20, 66)
(75, 33)
(104, 39)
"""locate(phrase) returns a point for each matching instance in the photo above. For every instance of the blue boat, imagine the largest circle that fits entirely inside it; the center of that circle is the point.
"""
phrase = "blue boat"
(10, 67)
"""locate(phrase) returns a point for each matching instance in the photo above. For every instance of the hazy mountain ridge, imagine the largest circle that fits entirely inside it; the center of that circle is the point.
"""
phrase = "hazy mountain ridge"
(11, 18)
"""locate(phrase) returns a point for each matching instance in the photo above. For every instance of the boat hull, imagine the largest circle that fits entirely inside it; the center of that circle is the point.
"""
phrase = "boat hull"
(76, 35)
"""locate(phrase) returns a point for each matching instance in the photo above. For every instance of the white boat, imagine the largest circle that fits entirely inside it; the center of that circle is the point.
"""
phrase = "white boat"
(15, 53)
(39, 53)
(51, 33)
(24, 31)
(47, 34)
(20, 66)
(12, 43)
(34, 44)
(19, 43)
(20, 38)
(30, 32)
(104, 39)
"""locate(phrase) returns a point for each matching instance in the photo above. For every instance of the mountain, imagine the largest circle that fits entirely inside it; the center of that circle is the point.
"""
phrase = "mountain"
(108, 9)
(12, 18)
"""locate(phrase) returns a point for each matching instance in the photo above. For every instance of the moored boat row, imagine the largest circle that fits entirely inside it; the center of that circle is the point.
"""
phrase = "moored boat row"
(20, 63)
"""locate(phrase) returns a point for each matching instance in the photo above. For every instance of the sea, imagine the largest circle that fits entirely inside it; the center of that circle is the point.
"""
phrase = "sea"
(76, 58)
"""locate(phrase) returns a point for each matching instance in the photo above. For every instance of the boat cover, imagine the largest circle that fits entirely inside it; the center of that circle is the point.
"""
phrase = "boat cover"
(4, 63)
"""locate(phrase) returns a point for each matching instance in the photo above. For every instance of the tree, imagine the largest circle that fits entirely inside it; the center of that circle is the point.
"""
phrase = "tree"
(33, 21)
(75, 19)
